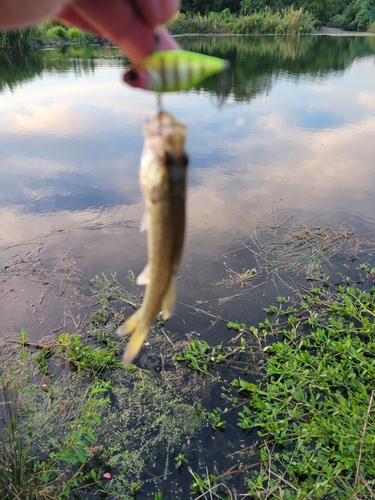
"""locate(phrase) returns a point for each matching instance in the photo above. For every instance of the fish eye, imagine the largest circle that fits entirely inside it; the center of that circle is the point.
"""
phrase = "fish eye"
(169, 160)
(184, 160)
(131, 75)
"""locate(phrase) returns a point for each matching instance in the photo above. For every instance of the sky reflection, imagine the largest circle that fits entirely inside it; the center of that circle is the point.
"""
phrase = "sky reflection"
(71, 143)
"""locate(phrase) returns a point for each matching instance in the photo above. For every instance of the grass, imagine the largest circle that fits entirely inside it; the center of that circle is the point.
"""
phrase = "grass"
(45, 33)
(286, 251)
(66, 465)
(237, 278)
(291, 21)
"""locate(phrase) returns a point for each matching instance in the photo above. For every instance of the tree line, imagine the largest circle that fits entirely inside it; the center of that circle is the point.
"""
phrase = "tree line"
(227, 16)
(354, 15)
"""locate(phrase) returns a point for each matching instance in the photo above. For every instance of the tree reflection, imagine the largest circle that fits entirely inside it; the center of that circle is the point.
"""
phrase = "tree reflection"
(256, 61)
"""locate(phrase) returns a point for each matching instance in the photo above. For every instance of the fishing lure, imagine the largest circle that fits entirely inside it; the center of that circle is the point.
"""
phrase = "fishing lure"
(173, 70)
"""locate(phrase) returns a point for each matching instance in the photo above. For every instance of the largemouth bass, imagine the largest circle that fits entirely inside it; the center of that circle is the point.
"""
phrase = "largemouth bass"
(173, 70)
(163, 181)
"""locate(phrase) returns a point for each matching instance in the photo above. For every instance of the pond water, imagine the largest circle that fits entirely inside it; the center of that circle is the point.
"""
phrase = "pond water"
(292, 145)
(294, 137)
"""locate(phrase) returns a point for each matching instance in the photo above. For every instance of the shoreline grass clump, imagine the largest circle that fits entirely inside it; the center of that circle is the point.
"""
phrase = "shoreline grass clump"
(48, 32)
(290, 21)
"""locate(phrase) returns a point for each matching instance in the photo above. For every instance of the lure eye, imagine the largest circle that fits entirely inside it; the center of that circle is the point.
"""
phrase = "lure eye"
(131, 75)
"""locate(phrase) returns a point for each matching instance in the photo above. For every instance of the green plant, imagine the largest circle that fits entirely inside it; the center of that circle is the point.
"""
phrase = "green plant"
(180, 458)
(290, 20)
(41, 360)
(201, 357)
(316, 402)
(16, 38)
(85, 357)
(211, 484)
(236, 326)
(70, 455)
(15, 460)
(214, 418)
(64, 467)
(76, 35)
(57, 33)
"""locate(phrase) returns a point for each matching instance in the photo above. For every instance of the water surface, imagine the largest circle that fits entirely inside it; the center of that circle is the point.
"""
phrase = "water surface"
(295, 135)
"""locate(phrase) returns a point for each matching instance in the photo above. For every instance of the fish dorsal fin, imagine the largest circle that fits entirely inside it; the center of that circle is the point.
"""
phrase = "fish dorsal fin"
(144, 277)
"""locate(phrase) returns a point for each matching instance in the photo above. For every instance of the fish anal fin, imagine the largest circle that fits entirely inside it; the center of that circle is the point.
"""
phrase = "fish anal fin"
(144, 223)
(133, 324)
(130, 324)
(144, 277)
(169, 299)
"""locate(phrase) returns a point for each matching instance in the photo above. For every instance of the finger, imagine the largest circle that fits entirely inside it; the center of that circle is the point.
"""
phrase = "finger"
(156, 11)
(15, 14)
(70, 16)
(118, 21)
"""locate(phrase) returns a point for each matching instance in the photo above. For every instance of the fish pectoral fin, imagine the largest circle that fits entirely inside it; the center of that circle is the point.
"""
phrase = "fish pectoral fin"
(144, 223)
(144, 277)
(133, 324)
(169, 299)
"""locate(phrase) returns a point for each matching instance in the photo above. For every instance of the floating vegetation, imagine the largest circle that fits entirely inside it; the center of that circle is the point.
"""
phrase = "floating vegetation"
(285, 252)
(237, 278)
(294, 250)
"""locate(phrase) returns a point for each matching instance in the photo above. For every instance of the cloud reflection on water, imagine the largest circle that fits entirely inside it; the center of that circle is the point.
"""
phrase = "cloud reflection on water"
(71, 143)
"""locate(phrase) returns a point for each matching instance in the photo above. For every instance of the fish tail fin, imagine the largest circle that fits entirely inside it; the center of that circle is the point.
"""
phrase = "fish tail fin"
(169, 299)
(130, 324)
(134, 345)
(133, 324)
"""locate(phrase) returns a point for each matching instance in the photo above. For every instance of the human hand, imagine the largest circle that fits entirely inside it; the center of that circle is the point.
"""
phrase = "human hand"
(130, 24)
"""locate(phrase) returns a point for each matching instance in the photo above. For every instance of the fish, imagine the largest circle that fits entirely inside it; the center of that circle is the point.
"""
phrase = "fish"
(173, 70)
(163, 174)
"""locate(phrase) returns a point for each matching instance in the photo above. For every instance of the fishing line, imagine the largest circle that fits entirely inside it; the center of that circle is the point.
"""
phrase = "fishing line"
(159, 100)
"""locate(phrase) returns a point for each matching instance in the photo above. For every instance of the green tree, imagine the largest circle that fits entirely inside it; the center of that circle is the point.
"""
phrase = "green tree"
(206, 6)
(358, 15)
(252, 6)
